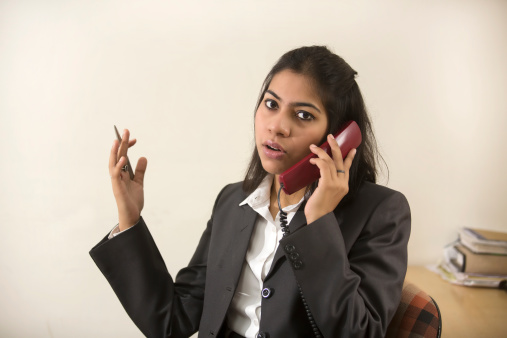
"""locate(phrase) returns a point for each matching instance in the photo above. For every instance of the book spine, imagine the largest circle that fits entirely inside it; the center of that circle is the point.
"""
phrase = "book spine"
(454, 257)
(480, 246)
(481, 264)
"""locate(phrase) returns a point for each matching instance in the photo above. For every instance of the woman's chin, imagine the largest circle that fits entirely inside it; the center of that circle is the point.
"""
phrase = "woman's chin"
(275, 166)
(273, 169)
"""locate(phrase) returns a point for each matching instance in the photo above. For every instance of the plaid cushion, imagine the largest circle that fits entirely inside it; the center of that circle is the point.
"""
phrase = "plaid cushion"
(417, 315)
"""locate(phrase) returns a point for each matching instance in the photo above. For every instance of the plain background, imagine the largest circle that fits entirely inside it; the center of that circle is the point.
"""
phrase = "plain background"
(184, 77)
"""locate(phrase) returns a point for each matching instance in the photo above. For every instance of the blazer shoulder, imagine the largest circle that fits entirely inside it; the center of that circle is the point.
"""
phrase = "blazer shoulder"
(370, 196)
(379, 192)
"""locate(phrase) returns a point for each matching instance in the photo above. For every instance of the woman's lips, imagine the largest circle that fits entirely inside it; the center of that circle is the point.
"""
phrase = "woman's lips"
(273, 150)
(274, 145)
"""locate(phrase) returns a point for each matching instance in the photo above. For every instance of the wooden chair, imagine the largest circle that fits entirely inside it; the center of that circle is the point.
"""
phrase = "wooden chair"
(417, 315)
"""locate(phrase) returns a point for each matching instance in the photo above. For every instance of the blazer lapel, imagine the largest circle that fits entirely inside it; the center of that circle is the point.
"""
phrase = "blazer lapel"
(241, 240)
(298, 220)
(230, 245)
(245, 218)
(295, 224)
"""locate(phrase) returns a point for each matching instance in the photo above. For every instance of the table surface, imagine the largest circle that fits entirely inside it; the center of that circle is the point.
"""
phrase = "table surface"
(466, 311)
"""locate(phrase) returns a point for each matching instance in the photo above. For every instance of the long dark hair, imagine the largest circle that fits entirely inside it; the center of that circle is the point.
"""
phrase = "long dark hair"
(335, 83)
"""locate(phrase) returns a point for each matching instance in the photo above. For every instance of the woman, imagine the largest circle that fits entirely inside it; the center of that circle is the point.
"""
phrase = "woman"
(338, 272)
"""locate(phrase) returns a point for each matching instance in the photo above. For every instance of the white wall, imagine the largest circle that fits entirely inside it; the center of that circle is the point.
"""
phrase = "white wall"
(184, 77)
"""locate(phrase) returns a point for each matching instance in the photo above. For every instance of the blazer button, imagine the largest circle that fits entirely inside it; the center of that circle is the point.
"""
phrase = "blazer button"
(262, 334)
(297, 264)
(267, 292)
(290, 248)
(293, 256)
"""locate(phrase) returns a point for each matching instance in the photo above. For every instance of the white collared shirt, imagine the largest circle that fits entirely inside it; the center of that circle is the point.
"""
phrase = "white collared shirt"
(244, 314)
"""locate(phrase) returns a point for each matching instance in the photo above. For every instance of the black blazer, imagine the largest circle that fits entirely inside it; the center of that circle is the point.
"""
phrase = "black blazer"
(350, 265)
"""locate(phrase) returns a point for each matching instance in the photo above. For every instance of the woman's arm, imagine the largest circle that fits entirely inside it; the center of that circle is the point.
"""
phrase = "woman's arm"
(353, 289)
(137, 273)
(135, 269)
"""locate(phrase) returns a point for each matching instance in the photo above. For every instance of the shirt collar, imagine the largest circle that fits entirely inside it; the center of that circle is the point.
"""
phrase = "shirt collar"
(261, 196)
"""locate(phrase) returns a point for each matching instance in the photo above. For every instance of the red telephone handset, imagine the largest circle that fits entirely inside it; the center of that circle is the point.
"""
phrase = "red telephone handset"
(303, 173)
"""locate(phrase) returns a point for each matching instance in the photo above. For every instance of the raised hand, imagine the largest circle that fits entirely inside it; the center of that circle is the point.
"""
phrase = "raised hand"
(129, 194)
(333, 183)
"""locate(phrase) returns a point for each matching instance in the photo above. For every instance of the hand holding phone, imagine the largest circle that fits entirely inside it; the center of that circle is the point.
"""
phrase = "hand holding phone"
(304, 173)
(334, 173)
(127, 187)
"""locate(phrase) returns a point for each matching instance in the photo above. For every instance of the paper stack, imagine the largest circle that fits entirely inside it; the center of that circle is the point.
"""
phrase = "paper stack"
(477, 258)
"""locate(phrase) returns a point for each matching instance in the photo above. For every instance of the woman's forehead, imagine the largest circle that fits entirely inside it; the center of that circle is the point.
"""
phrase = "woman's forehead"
(294, 87)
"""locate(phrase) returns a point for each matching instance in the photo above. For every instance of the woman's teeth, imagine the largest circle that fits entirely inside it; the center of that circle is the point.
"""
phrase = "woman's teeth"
(273, 148)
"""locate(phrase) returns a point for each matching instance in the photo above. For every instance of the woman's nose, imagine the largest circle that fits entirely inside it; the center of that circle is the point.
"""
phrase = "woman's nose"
(280, 124)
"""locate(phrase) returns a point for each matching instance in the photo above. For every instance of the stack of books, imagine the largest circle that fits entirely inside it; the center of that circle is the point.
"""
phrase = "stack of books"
(477, 258)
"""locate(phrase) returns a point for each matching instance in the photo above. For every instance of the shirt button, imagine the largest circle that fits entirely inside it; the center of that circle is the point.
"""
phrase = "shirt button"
(267, 292)
(262, 334)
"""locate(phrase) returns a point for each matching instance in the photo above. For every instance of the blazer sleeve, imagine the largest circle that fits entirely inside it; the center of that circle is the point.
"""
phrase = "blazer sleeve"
(135, 269)
(353, 291)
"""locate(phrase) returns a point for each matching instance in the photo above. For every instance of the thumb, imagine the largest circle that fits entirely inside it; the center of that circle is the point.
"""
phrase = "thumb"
(142, 163)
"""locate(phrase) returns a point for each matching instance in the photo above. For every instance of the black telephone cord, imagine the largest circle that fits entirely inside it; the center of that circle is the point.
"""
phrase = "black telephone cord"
(283, 215)
(286, 232)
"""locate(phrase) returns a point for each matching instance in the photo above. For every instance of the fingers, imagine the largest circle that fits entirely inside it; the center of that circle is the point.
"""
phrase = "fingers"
(336, 164)
(335, 152)
(324, 168)
(334, 180)
(323, 161)
(119, 149)
(124, 144)
(115, 166)
(113, 156)
(116, 171)
(348, 160)
(142, 163)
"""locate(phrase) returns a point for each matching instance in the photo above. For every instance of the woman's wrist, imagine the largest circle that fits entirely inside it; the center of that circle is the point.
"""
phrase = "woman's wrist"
(313, 216)
(126, 224)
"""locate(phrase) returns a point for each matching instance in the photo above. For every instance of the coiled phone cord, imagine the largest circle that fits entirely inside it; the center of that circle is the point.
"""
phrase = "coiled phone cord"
(283, 215)
(286, 231)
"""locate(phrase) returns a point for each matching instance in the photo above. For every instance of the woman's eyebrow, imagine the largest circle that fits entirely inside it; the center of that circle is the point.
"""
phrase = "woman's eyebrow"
(274, 94)
(295, 104)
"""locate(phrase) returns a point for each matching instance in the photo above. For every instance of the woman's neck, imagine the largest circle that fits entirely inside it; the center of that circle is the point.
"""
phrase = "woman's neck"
(285, 200)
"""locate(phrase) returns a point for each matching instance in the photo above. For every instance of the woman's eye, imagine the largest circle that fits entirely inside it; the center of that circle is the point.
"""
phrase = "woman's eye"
(304, 115)
(271, 104)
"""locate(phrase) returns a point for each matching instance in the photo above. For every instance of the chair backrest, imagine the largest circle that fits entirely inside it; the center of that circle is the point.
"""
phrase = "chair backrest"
(417, 315)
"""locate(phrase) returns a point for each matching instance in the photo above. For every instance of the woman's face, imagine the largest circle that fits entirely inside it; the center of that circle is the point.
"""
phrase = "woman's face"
(289, 119)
